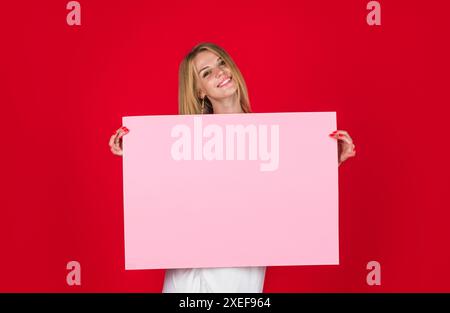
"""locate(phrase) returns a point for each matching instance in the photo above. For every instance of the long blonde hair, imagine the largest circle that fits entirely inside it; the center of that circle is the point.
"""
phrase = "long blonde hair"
(188, 99)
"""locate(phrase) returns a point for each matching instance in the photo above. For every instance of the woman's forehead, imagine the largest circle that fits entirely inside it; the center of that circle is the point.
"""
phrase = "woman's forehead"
(205, 58)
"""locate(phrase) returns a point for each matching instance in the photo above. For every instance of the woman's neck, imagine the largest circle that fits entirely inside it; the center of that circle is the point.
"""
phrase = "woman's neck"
(227, 105)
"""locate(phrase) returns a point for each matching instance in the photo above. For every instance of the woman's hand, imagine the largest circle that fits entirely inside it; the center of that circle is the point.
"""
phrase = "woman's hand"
(346, 148)
(115, 142)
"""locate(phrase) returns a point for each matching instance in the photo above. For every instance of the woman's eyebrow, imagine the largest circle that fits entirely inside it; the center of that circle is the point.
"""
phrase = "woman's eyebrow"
(219, 58)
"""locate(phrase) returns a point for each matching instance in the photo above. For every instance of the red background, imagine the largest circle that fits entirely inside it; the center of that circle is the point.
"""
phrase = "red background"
(64, 89)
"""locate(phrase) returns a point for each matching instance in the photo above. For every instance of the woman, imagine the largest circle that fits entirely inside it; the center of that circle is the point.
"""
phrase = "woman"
(211, 83)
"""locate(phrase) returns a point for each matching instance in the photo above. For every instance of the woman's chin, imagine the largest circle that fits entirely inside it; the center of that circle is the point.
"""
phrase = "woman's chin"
(229, 92)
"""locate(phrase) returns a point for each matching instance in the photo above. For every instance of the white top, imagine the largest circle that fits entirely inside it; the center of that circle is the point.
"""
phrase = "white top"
(215, 280)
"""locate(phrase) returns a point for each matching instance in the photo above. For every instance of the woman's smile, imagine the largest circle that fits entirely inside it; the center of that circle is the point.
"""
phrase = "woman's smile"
(225, 82)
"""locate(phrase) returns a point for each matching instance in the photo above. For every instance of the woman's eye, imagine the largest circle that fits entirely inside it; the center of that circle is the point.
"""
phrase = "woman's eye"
(206, 73)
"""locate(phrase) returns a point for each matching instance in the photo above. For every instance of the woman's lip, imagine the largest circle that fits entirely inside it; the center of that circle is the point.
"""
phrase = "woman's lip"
(228, 80)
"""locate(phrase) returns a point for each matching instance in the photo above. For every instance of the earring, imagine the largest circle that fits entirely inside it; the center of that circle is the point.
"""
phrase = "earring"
(203, 104)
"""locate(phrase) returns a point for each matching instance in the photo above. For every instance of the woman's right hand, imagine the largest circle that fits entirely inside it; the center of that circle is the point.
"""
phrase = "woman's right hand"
(115, 142)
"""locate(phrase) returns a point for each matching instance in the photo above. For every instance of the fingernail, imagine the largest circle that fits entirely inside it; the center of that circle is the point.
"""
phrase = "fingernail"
(125, 129)
(331, 135)
(340, 135)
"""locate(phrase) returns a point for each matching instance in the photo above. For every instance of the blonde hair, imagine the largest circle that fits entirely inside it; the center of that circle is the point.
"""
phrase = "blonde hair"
(188, 98)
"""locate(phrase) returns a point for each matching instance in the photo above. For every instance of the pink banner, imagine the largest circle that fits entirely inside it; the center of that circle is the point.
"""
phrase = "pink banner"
(230, 190)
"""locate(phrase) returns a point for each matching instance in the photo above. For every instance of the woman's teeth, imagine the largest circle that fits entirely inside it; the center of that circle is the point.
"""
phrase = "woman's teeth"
(226, 81)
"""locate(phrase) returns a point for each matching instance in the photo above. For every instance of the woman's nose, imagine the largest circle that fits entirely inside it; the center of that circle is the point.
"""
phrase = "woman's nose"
(219, 71)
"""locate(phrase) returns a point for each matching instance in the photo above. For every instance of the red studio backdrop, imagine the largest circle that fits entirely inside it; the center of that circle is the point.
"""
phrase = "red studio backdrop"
(64, 89)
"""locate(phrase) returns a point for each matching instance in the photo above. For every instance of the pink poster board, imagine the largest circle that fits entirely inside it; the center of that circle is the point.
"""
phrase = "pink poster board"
(230, 190)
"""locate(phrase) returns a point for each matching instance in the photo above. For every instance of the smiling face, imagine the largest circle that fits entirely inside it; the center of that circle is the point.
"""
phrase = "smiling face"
(214, 77)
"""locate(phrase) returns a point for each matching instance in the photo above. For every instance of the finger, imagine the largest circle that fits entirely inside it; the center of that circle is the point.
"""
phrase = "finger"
(119, 142)
(345, 138)
(111, 140)
(347, 154)
(119, 135)
(116, 146)
(115, 141)
(121, 132)
(116, 151)
(119, 153)
(343, 132)
(347, 148)
(342, 137)
(340, 133)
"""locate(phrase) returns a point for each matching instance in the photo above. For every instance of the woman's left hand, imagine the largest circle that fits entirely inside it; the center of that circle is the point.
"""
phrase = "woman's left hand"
(346, 148)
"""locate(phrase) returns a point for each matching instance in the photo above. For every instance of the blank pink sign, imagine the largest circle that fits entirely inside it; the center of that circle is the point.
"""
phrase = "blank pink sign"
(230, 190)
